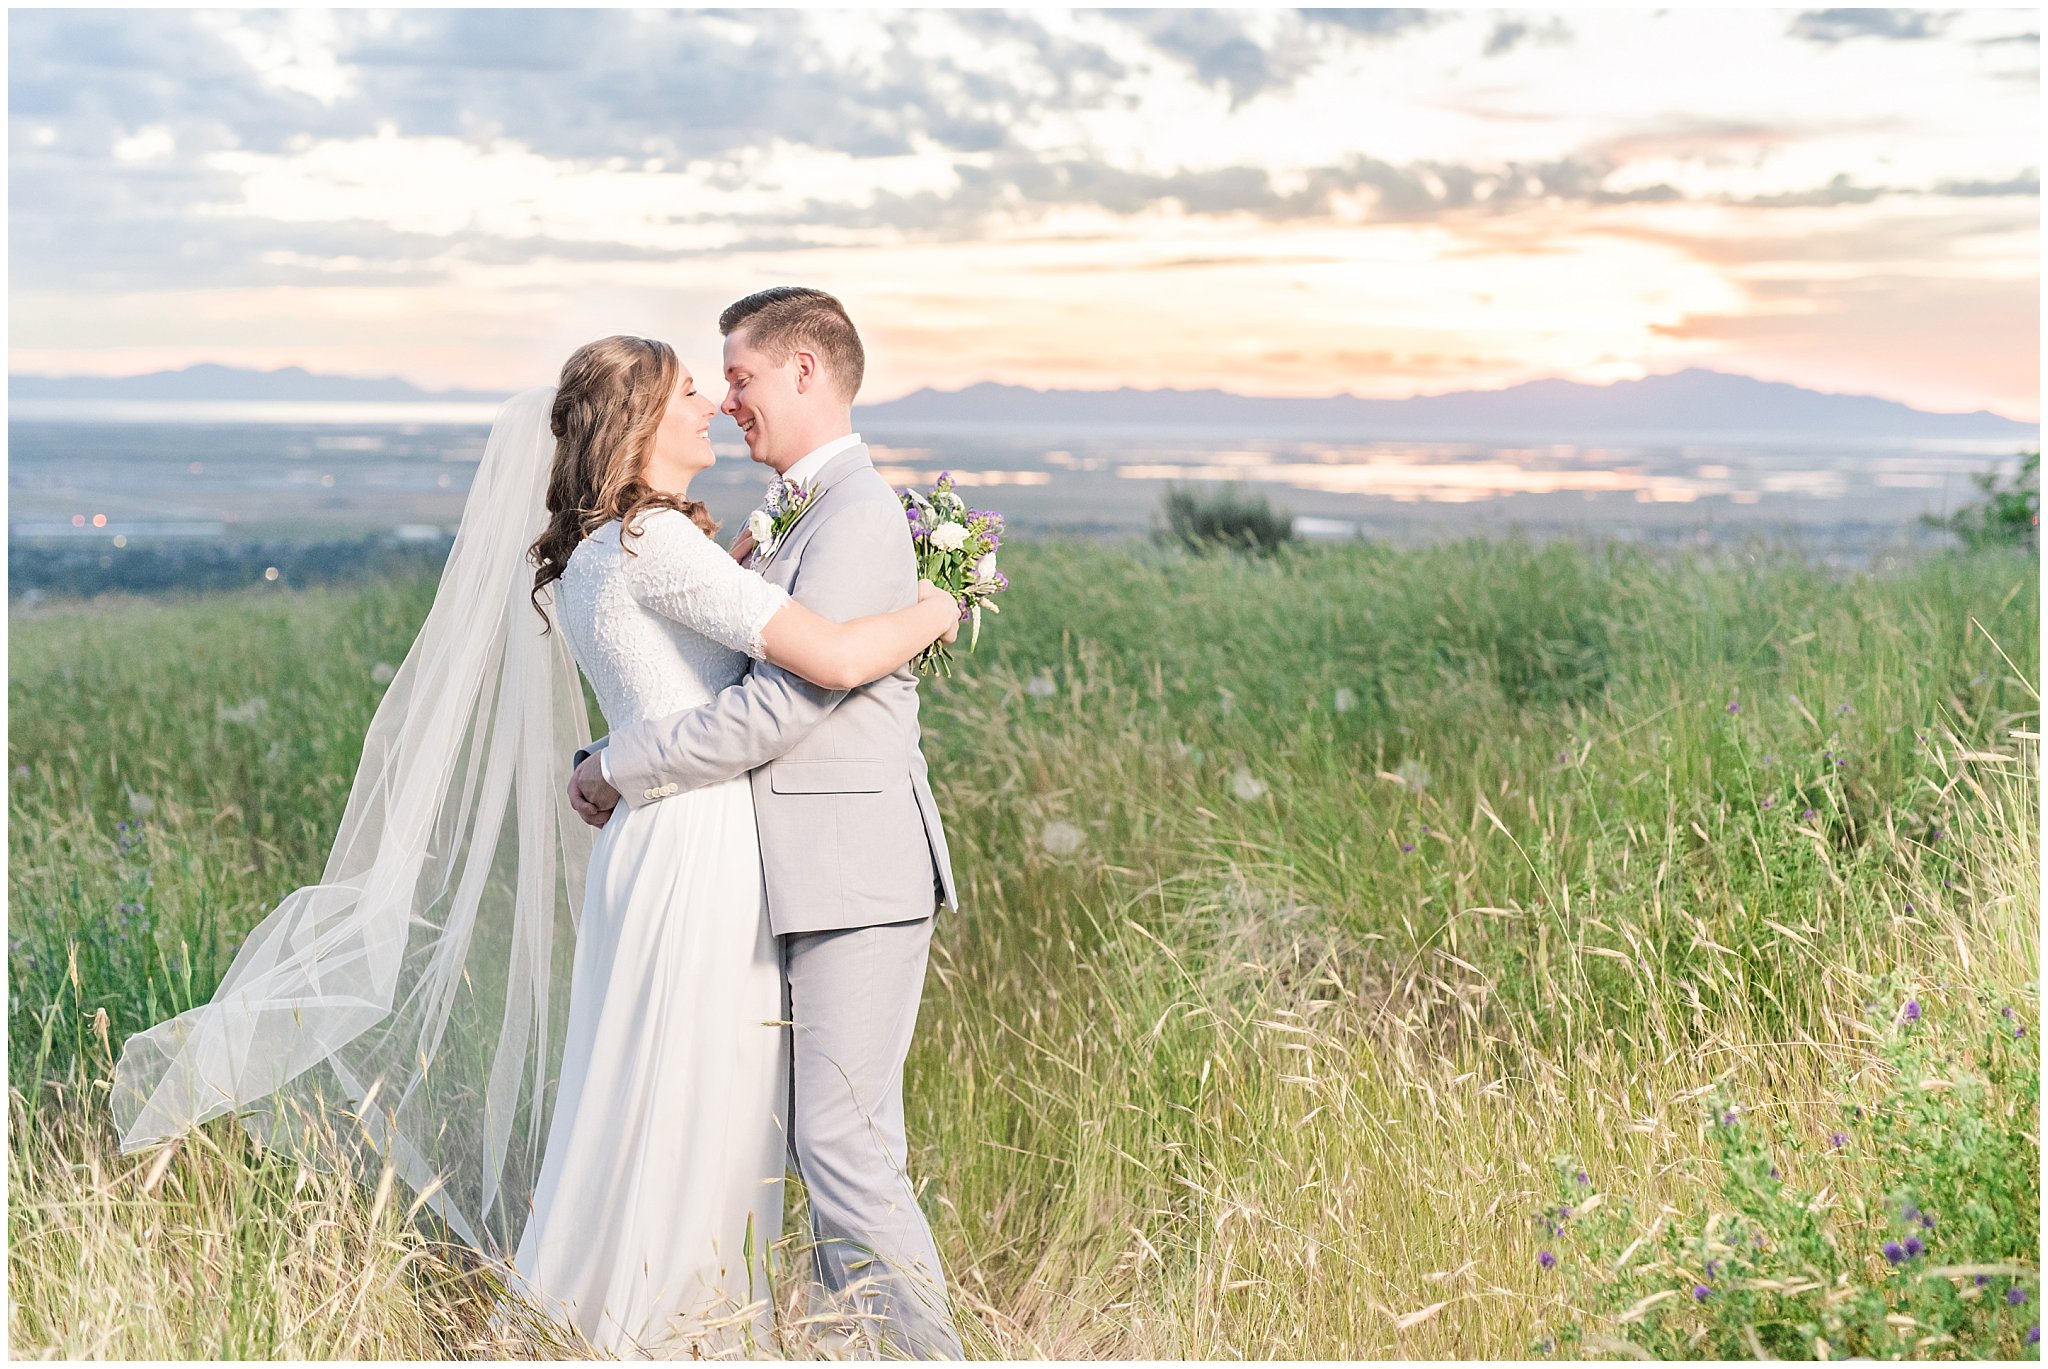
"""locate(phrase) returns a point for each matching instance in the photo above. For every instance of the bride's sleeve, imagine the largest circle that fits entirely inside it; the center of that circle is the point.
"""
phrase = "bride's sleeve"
(680, 573)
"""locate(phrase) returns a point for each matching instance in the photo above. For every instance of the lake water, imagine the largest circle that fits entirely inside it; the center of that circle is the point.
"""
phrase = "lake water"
(138, 473)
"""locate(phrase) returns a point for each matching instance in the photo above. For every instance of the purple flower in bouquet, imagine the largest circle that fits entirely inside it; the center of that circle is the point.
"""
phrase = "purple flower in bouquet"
(956, 550)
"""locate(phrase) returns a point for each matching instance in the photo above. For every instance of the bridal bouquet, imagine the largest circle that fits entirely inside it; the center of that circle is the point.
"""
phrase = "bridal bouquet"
(956, 550)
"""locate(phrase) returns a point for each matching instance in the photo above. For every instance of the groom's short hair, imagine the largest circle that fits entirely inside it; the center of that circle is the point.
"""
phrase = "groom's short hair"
(783, 318)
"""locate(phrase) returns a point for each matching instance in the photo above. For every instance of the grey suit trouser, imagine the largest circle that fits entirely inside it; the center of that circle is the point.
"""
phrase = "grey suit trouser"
(853, 997)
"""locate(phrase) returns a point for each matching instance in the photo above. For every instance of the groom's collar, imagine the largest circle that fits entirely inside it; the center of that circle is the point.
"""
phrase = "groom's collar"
(838, 466)
(805, 471)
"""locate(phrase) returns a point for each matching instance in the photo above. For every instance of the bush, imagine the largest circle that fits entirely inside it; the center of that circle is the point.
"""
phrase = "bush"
(2009, 514)
(1783, 1266)
(1231, 517)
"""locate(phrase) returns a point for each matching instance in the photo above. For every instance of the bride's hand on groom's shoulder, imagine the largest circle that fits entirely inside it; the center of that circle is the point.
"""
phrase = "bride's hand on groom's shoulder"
(743, 545)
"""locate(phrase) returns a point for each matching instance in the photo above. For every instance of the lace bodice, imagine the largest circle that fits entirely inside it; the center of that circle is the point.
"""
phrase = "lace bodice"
(665, 626)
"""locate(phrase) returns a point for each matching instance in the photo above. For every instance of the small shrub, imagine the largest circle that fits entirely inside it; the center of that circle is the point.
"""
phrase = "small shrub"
(1231, 517)
(2009, 515)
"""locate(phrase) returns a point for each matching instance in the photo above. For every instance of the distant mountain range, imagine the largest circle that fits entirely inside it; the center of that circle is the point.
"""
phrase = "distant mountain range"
(1692, 401)
(211, 382)
(1689, 401)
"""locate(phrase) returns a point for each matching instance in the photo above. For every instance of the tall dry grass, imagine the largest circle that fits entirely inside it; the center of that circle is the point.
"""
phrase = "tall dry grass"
(1312, 906)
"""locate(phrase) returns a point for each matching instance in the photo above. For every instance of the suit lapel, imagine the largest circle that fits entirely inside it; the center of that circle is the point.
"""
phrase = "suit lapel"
(839, 467)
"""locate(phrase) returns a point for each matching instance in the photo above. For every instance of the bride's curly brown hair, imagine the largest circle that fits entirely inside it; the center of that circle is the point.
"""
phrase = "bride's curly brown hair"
(608, 403)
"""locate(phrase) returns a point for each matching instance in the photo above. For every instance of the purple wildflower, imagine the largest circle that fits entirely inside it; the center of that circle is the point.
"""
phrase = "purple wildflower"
(1713, 1268)
(1407, 846)
(1807, 816)
(1894, 1252)
(2019, 1032)
(2015, 1296)
(1911, 1012)
(2005, 1012)
(1927, 1220)
(1838, 1140)
(2034, 1334)
(1734, 707)
(1581, 1179)
(1700, 1292)
(1983, 1279)
(1770, 799)
(1546, 1259)
(1728, 1118)
(1913, 1247)
(1774, 1171)
(1564, 1213)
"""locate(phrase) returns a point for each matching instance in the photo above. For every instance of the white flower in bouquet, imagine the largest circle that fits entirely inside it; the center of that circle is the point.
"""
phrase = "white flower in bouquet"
(762, 526)
(955, 548)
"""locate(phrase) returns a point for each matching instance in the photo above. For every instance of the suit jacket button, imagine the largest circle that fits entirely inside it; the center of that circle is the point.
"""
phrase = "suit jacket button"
(651, 794)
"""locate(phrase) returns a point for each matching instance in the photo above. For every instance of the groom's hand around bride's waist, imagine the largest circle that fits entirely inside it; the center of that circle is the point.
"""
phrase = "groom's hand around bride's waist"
(590, 793)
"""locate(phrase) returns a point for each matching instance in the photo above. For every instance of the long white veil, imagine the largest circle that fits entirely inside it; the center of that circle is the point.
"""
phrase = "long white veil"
(410, 1004)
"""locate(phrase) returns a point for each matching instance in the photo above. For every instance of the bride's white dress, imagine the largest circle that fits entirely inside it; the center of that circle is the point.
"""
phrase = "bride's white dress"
(660, 1188)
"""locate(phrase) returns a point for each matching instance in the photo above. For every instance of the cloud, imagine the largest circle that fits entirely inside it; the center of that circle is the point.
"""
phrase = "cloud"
(1223, 51)
(2014, 185)
(1841, 190)
(1020, 188)
(1507, 34)
(584, 85)
(1373, 23)
(134, 134)
(1838, 190)
(1840, 25)
(83, 79)
(1216, 46)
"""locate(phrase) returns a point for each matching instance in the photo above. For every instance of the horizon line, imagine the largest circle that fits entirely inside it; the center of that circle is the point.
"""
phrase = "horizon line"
(430, 395)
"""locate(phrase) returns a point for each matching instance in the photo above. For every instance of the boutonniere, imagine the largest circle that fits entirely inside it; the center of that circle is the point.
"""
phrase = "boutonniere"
(771, 523)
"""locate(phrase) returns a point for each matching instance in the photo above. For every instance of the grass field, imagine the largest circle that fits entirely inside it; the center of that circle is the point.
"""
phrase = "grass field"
(1320, 912)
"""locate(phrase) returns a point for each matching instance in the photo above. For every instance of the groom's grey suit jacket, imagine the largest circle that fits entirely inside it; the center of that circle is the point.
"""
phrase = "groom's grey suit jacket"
(850, 833)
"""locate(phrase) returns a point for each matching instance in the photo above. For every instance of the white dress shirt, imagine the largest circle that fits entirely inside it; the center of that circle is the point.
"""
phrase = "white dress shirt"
(807, 467)
(802, 473)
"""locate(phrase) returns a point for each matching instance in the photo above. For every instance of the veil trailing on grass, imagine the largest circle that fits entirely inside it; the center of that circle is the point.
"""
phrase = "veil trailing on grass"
(408, 1008)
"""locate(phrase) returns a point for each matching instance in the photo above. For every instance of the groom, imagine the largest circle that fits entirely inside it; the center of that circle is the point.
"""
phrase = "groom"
(852, 853)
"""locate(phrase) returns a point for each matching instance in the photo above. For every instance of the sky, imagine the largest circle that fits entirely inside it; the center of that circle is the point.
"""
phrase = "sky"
(1277, 201)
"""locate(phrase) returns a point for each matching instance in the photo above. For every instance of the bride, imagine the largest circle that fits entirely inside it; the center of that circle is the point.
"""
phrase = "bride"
(619, 1145)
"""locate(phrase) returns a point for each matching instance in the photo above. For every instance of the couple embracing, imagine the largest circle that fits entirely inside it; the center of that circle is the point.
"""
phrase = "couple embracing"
(744, 934)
